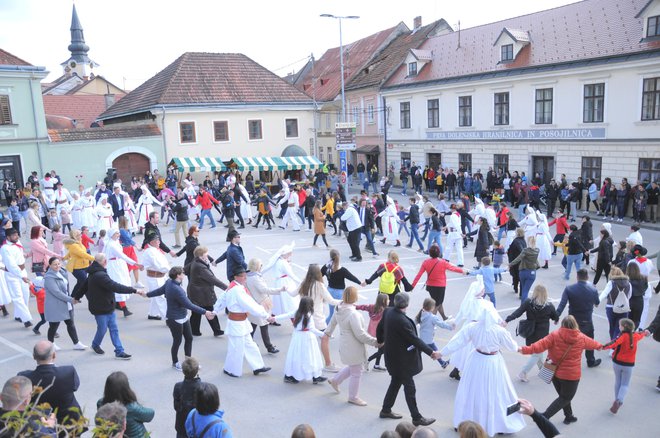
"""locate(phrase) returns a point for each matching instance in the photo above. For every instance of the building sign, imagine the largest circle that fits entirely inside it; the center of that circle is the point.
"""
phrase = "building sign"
(520, 134)
(345, 135)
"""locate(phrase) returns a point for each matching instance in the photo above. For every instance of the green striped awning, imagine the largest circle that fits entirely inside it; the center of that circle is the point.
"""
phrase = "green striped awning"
(198, 164)
(276, 163)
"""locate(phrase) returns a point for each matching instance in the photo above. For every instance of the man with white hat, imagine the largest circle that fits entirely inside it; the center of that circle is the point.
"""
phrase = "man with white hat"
(13, 257)
(239, 303)
(157, 267)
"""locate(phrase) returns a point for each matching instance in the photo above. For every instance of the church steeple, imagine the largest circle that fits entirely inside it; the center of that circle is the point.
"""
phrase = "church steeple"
(79, 63)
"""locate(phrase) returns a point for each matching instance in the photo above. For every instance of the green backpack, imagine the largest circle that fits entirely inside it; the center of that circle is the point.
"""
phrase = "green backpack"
(387, 281)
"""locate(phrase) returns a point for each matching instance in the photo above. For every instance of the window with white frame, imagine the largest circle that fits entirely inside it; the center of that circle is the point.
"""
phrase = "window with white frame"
(465, 111)
(412, 69)
(5, 110)
(356, 115)
(221, 130)
(433, 108)
(370, 113)
(543, 106)
(649, 169)
(594, 103)
(291, 128)
(591, 168)
(651, 99)
(328, 124)
(507, 52)
(404, 109)
(465, 162)
(187, 132)
(501, 161)
(653, 26)
(254, 130)
(502, 108)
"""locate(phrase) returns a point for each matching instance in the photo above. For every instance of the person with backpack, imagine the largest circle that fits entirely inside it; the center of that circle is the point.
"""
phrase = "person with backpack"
(184, 394)
(618, 292)
(205, 420)
(391, 276)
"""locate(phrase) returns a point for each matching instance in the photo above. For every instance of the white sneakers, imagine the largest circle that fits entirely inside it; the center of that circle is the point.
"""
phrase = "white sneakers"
(56, 347)
(332, 368)
(523, 377)
(79, 346)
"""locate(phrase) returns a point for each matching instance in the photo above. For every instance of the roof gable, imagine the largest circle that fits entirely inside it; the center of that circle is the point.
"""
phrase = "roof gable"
(84, 109)
(208, 78)
(589, 29)
(7, 58)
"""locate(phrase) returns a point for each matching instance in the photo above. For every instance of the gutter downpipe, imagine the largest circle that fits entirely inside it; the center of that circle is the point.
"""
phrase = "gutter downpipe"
(164, 140)
(384, 112)
(36, 126)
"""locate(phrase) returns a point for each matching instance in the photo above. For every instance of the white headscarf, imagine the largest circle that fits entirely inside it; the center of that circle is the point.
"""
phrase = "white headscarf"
(470, 306)
(286, 249)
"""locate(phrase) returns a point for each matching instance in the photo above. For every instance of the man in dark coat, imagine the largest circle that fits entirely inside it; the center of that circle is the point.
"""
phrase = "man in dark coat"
(100, 290)
(116, 201)
(151, 230)
(201, 281)
(63, 382)
(234, 254)
(403, 358)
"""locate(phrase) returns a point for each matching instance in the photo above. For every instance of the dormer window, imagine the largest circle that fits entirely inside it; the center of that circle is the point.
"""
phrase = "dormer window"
(412, 69)
(507, 53)
(653, 26)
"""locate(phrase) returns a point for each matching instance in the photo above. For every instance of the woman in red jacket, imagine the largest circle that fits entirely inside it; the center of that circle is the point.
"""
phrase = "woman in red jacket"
(436, 277)
(565, 347)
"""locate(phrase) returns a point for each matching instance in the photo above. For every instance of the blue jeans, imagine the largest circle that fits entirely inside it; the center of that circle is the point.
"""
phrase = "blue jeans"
(370, 239)
(622, 376)
(527, 278)
(80, 276)
(337, 295)
(491, 296)
(414, 235)
(434, 236)
(427, 226)
(498, 277)
(435, 348)
(103, 324)
(521, 211)
(405, 227)
(374, 186)
(614, 319)
(572, 259)
(202, 215)
(405, 188)
(500, 232)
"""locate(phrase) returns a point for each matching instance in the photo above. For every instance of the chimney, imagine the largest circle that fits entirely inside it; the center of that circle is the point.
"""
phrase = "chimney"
(417, 22)
(109, 100)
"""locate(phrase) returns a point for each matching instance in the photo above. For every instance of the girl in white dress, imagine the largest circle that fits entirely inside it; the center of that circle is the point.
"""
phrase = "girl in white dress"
(104, 214)
(280, 263)
(303, 360)
(145, 206)
(118, 266)
(87, 214)
(76, 210)
(390, 221)
(246, 207)
(543, 239)
(485, 389)
(130, 214)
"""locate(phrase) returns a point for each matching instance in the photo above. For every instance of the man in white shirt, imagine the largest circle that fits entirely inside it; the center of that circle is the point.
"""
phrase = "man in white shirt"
(292, 211)
(239, 303)
(635, 235)
(354, 226)
(157, 267)
(62, 197)
(16, 277)
(455, 237)
(48, 188)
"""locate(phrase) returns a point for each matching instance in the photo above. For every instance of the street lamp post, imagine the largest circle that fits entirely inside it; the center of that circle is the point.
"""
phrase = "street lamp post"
(341, 59)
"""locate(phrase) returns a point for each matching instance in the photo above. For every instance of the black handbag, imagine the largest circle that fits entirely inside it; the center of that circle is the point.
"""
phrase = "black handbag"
(526, 328)
(38, 267)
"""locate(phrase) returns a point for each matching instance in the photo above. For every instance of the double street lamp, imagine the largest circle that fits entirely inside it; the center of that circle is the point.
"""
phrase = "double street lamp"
(341, 58)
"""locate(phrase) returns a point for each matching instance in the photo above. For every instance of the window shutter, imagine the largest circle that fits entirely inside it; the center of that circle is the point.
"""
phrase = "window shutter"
(5, 113)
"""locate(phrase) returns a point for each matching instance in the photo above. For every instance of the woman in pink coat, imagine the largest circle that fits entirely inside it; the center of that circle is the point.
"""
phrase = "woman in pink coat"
(39, 250)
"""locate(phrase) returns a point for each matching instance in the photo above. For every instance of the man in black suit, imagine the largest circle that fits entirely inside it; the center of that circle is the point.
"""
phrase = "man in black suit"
(59, 383)
(116, 201)
(368, 224)
(403, 358)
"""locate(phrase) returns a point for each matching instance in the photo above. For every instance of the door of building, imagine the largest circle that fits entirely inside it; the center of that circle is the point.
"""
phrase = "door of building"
(545, 166)
(10, 170)
(130, 165)
(434, 160)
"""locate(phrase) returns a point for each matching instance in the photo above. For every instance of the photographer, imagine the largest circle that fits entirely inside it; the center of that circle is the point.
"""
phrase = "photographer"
(16, 396)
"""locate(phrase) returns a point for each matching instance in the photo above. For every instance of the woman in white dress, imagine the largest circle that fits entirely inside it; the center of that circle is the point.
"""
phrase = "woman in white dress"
(104, 217)
(280, 263)
(130, 214)
(190, 192)
(529, 223)
(303, 359)
(87, 213)
(145, 206)
(390, 221)
(76, 210)
(543, 239)
(485, 389)
(5, 298)
(118, 267)
(246, 207)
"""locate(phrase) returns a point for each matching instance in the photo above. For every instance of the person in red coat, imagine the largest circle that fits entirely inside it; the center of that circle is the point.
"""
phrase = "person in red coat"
(564, 347)
(205, 201)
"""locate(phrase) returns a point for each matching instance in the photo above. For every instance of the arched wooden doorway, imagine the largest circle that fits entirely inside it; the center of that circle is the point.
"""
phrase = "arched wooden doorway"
(130, 165)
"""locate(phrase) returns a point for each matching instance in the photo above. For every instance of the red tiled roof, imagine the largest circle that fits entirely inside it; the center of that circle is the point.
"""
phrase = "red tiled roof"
(208, 78)
(589, 29)
(326, 70)
(7, 58)
(105, 133)
(84, 109)
(378, 69)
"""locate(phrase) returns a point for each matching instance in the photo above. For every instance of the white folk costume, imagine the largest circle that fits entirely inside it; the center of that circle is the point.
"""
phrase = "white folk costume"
(454, 238)
(76, 211)
(5, 297)
(104, 217)
(491, 217)
(529, 223)
(239, 303)
(130, 213)
(87, 212)
(291, 214)
(118, 263)
(145, 205)
(62, 198)
(190, 191)
(303, 359)
(157, 267)
(390, 221)
(543, 238)
(485, 389)
(48, 190)
(284, 276)
(13, 257)
(246, 207)
(468, 312)
(478, 211)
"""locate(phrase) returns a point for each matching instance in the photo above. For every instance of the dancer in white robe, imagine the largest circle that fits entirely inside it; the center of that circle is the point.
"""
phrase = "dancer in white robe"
(390, 221)
(454, 236)
(485, 389)
(87, 212)
(16, 277)
(246, 207)
(543, 239)
(104, 217)
(145, 205)
(76, 210)
(130, 213)
(118, 265)
(529, 223)
(157, 267)
(280, 263)
(191, 193)
(5, 298)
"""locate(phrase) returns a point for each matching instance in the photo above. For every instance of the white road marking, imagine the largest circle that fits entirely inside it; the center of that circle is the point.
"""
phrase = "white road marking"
(15, 347)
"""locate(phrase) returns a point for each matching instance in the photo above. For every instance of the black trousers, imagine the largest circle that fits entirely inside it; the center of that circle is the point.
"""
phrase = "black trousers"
(551, 206)
(409, 391)
(70, 328)
(515, 277)
(195, 320)
(636, 307)
(602, 266)
(265, 335)
(566, 390)
(354, 242)
(587, 328)
(178, 331)
(316, 236)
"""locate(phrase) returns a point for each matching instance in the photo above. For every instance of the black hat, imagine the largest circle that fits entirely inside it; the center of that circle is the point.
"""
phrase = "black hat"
(239, 270)
(638, 250)
(151, 237)
(232, 234)
(11, 231)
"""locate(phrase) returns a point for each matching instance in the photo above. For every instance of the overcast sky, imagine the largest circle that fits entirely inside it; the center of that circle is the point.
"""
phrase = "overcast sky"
(132, 40)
